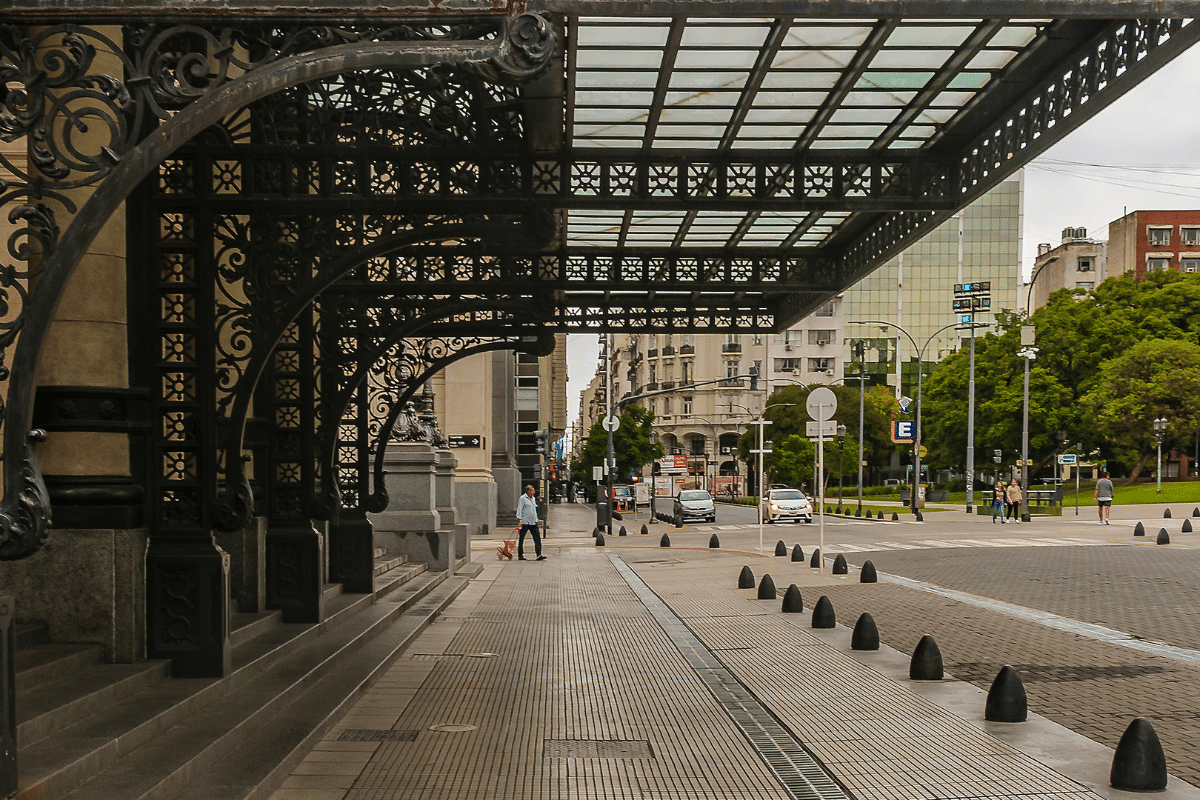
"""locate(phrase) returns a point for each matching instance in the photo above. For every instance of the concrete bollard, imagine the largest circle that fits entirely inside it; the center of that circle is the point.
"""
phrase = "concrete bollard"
(1139, 764)
(868, 574)
(858, 513)
(828, 510)
(595, 532)
(1196, 511)
(926, 663)
(780, 548)
(766, 588)
(1166, 513)
(645, 530)
(622, 532)
(599, 540)
(815, 561)
(1187, 526)
(822, 615)
(746, 579)
(920, 516)
(866, 635)
(797, 553)
(665, 541)
(880, 515)
(895, 517)
(678, 522)
(793, 603)
(838, 509)
(1163, 537)
(1139, 530)
(714, 542)
(1006, 700)
(839, 565)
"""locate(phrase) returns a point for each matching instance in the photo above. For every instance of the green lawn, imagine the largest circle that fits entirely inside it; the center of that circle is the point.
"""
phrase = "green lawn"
(1139, 493)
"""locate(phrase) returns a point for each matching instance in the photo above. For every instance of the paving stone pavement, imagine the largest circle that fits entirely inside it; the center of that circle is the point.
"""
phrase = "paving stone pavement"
(1092, 687)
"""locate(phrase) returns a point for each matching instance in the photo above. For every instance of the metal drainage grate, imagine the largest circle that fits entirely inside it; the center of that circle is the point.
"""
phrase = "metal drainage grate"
(596, 748)
(434, 656)
(360, 735)
(801, 774)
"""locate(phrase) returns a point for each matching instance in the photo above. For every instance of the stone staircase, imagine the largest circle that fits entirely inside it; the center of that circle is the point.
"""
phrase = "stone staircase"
(130, 732)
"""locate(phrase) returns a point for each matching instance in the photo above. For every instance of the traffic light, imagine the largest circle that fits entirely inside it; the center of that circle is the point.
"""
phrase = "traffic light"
(656, 468)
(996, 454)
(753, 378)
(543, 443)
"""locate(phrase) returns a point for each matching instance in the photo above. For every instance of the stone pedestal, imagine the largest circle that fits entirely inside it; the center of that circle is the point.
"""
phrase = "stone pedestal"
(446, 487)
(296, 572)
(352, 552)
(412, 525)
(247, 551)
(187, 606)
(86, 586)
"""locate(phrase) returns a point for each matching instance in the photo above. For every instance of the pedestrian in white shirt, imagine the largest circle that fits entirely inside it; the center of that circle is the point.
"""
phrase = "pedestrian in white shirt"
(528, 517)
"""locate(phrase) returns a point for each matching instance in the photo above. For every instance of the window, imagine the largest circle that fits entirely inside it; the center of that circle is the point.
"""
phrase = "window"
(666, 406)
(732, 369)
(1158, 237)
(669, 338)
(758, 368)
(758, 338)
(652, 407)
(1189, 235)
(820, 364)
(687, 372)
(1158, 264)
(733, 338)
(653, 373)
(825, 310)
(821, 337)
(1089, 285)
(1084, 265)
(787, 364)
(1190, 264)
(687, 406)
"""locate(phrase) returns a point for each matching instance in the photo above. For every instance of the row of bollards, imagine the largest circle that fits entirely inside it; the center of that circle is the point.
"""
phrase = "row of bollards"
(858, 512)
(1139, 764)
(662, 516)
(1167, 512)
(1163, 536)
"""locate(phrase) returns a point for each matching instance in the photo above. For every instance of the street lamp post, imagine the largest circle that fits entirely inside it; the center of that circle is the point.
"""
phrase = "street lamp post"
(841, 437)
(761, 422)
(920, 377)
(1029, 353)
(1160, 430)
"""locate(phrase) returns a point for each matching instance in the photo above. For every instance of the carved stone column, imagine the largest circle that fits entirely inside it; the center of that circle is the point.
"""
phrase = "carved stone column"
(445, 485)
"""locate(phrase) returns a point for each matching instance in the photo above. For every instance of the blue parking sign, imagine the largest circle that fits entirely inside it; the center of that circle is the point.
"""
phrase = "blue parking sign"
(903, 431)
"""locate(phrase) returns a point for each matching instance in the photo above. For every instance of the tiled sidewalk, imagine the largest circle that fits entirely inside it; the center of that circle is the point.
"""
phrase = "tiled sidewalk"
(553, 680)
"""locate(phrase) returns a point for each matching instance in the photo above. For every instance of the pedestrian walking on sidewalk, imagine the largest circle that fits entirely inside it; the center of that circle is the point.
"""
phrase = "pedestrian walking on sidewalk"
(528, 517)
(1013, 496)
(998, 498)
(1104, 497)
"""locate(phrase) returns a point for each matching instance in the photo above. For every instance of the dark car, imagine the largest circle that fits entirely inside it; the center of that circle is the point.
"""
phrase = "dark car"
(695, 504)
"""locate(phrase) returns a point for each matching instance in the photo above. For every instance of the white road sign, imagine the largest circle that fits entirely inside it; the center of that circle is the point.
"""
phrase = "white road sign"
(821, 403)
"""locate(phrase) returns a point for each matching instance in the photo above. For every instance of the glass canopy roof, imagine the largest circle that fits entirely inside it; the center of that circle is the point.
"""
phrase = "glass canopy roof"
(677, 85)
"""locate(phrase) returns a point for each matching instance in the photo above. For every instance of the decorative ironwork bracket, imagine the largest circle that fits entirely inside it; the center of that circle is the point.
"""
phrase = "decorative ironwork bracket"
(523, 52)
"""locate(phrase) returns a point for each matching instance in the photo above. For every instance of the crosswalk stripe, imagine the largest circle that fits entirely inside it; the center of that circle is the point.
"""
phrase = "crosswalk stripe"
(901, 546)
(849, 548)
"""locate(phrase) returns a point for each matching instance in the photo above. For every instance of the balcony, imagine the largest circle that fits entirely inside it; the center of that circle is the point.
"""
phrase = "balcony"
(668, 351)
(732, 382)
(652, 353)
(731, 347)
(652, 387)
(687, 350)
(668, 384)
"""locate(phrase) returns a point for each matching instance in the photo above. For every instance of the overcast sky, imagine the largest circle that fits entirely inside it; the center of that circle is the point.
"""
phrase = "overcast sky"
(1141, 153)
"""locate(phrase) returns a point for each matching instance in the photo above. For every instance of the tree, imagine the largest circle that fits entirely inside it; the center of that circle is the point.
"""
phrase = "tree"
(787, 411)
(1152, 379)
(633, 445)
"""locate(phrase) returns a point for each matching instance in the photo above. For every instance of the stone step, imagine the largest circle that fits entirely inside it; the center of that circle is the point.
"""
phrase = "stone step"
(332, 590)
(283, 741)
(393, 579)
(387, 563)
(232, 726)
(40, 664)
(244, 627)
(52, 707)
(32, 635)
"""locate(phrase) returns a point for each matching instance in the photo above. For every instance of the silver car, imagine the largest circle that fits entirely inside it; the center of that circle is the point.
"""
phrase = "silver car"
(695, 504)
(788, 504)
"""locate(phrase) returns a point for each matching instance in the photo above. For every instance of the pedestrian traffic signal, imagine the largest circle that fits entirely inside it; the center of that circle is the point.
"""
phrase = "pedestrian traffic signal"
(753, 378)
(543, 443)
(996, 455)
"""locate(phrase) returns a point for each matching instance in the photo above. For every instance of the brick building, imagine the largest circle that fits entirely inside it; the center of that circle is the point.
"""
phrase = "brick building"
(1150, 241)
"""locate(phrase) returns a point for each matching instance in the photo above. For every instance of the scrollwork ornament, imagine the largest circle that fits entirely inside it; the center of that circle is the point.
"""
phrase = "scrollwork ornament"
(25, 515)
(233, 511)
(526, 54)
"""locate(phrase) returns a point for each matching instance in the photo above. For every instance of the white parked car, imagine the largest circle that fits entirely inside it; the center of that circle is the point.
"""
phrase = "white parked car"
(788, 504)
(695, 504)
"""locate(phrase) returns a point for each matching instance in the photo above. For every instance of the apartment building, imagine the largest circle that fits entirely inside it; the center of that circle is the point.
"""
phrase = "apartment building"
(1153, 241)
(1078, 262)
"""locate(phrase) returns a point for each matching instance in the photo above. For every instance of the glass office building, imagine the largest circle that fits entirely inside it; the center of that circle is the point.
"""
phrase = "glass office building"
(915, 290)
